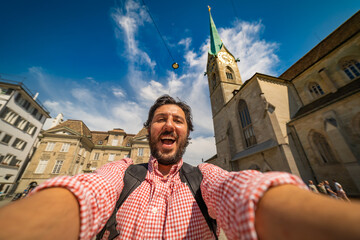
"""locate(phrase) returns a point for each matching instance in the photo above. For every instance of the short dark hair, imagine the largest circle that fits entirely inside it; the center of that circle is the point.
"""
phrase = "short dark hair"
(166, 99)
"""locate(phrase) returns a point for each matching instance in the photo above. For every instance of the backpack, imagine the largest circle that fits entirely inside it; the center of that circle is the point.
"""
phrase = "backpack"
(135, 175)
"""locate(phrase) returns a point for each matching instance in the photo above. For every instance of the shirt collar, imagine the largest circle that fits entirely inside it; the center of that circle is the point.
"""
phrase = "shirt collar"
(154, 167)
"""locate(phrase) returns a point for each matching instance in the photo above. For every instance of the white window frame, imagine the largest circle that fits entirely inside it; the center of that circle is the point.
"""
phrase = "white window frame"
(57, 166)
(22, 124)
(8, 158)
(96, 156)
(140, 152)
(19, 144)
(41, 166)
(11, 116)
(111, 157)
(65, 147)
(50, 146)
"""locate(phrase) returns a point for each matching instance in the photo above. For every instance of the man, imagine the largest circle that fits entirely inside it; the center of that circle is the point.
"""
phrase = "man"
(246, 204)
(329, 190)
(322, 188)
(340, 191)
(312, 187)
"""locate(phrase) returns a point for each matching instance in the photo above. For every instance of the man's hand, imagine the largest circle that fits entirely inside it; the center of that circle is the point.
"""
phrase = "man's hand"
(49, 214)
(288, 212)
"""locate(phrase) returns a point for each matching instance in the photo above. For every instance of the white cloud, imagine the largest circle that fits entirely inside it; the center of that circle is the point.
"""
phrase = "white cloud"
(186, 42)
(118, 92)
(128, 22)
(200, 149)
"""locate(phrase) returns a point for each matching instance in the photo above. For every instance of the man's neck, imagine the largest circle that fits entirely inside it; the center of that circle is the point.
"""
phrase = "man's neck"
(165, 169)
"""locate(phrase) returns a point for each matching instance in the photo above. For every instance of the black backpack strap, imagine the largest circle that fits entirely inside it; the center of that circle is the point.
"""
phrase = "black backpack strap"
(133, 177)
(193, 177)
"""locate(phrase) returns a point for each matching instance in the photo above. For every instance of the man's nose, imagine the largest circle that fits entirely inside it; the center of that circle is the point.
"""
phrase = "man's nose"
(169, 125)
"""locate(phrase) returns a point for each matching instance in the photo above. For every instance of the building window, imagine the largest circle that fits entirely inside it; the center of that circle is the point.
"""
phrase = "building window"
(19, 144)
(7, 159)
(50, 146)
(246, 124)
(96, 156)
(100, 142)
(6, 91)
(65, 147)
(140, 152)
(229, 73)
(41, 166)
(30, 129)
(26, 105)
(9, 116)
(21, 123)
(323, 148)
(111, 157)
(57, 166)
(315, 90)
(34, 112)
(351, 69)
(6, 139)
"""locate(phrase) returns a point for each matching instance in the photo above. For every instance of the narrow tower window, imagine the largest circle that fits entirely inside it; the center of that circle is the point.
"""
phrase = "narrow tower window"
(246, 124)
(229, 73)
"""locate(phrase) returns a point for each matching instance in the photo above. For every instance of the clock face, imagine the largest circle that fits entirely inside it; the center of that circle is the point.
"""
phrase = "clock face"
(225, 58)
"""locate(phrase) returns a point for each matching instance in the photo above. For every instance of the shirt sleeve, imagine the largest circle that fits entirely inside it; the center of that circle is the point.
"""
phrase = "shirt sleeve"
(96, 193)
(232, 197)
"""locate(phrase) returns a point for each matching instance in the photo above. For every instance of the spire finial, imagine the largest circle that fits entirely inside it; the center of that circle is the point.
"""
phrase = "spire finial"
(209, 8)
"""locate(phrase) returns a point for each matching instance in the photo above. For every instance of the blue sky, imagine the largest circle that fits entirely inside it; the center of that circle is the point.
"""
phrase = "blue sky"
(103, 62)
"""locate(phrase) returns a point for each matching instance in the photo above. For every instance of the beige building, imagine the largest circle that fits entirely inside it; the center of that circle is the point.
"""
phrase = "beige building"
(306, 121)
(71, 148)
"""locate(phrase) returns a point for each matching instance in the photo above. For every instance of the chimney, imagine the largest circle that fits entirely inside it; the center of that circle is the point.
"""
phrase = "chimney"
(35, 96)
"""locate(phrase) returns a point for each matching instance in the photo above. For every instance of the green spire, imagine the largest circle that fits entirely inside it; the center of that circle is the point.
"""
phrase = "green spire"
(215, 41)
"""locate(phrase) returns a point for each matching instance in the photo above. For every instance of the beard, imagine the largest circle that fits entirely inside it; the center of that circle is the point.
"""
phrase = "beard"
(164, 158)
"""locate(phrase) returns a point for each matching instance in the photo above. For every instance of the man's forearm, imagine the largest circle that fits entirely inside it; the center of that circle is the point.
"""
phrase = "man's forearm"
(288, 212)
(49, 214)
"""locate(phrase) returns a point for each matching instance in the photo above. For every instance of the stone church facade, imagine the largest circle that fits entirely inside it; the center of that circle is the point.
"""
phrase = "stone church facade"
(306, 121)
(71, 148)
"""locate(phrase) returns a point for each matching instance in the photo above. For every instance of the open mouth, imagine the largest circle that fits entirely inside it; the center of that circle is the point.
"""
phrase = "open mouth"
(167, 140)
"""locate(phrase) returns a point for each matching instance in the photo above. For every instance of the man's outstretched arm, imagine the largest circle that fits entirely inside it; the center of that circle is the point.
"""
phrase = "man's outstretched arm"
(49, 214)
(250, 205)
(288, 212)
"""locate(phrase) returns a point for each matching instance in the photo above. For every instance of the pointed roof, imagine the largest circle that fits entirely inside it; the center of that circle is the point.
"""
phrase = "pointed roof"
(215, 40)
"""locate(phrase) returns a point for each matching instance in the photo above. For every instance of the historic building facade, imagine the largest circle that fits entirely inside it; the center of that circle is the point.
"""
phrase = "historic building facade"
(21, 119)
(71, 148)
(306, 121)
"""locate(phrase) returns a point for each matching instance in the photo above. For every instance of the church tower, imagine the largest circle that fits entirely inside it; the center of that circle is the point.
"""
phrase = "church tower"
(222, 71)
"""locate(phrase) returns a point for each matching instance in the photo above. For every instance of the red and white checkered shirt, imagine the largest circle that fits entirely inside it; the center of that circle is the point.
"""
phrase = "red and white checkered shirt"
(164, 208)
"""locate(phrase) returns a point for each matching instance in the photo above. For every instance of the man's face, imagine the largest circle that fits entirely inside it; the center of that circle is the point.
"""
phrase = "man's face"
(168, 134)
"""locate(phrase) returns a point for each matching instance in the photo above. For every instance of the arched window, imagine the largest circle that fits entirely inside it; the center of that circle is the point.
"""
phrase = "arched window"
(246, 124)
(351, 68)
(229, 73)
(323, 148)
(315, 90)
